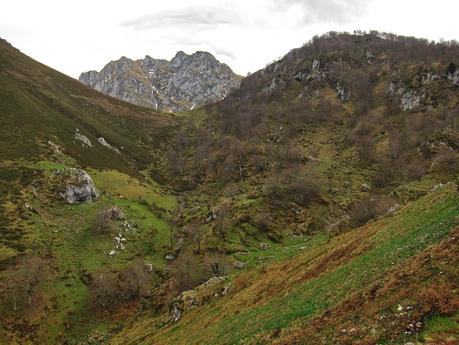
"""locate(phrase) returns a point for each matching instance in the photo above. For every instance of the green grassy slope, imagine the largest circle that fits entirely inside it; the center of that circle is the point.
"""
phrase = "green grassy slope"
(281, 303)
(39, 105)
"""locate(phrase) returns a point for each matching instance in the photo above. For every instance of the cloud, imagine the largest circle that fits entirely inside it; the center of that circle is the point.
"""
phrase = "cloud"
(333, 11)
(189, 18)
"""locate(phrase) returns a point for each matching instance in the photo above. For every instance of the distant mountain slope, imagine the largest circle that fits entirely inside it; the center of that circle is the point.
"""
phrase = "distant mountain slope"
(39, 105)
(185, 82)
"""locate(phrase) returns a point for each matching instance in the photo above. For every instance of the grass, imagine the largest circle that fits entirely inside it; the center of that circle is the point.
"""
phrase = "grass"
(301, 288)
(66, 234)
(440, 326)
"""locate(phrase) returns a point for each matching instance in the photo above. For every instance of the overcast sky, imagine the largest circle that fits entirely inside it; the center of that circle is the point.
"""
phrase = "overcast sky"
(76, 36)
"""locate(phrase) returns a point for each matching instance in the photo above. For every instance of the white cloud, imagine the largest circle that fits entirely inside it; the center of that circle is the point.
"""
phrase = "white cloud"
(332, 11)
(77, 36)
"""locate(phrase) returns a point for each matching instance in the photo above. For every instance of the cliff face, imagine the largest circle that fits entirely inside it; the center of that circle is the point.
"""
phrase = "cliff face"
(185, 82)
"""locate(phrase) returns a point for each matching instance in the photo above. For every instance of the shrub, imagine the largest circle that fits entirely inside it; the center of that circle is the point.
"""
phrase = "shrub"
(448, 162)
(109, 289)
(439, 299)
(216, 265)
(20, 287)
(294, 185)
(103, 290)
(103, 222)
(134, 280)
(186, 272)
(366, 150)
(261, 222)
(369, 208)
(415, 170)
(451, 68)
(384, 174)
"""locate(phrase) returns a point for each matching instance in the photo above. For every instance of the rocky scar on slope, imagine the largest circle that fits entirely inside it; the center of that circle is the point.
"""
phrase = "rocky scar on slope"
(74, 186)
(185, 82)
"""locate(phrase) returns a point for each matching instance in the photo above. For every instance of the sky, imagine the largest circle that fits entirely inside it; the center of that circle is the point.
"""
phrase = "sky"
(77, 36)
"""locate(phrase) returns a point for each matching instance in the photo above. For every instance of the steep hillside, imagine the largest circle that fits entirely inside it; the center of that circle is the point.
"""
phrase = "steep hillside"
(62, 228)
(184, 83)
(333, 134)
(315, 204)
(40, 105)
(392, 281)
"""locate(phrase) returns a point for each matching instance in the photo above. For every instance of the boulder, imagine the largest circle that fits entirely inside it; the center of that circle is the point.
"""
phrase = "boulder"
(239, 264)
(410, 100)
(342, 92)
(103, 142)
(370, 57)
(315, 64)
(187, 300)
(169, 257)
(56, 148)
(300, 76)
(365, 187)
(454, 77)
(77, 186)
(264, 245)
(84, 139)
(176, 312)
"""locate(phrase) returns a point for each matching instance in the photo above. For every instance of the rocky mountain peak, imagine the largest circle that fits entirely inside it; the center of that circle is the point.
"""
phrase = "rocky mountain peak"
(185, 82)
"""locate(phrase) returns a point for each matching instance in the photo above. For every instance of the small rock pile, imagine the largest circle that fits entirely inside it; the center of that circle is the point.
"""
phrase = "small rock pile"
(187, 300)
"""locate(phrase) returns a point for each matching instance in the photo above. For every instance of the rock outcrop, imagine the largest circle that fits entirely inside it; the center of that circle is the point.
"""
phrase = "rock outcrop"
(103, 142)
(410, 100)
(76, 186)
(454, 77)
(185, 82)
(82, 138)
(187, 300)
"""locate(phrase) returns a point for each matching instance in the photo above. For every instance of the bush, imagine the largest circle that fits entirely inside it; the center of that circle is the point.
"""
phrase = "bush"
(21, 285)
(415, 170)
(103, 290)
(186, 273)
(369, 208)
(216, 265)
(451, 68)
(448, 162)
(384, 174)
(366, 150)
(103, 222)
(110, 289)
(295, 185)
(261, 222)
(439, 299)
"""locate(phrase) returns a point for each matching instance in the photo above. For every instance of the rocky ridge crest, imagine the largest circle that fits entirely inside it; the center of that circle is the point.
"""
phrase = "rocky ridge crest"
(184, 83)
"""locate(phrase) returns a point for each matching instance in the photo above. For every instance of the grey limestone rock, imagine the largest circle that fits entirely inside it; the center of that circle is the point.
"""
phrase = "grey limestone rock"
(77, 186)
(185, 82)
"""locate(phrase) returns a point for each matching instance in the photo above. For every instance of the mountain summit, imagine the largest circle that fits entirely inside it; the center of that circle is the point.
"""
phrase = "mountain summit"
(185, 82)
